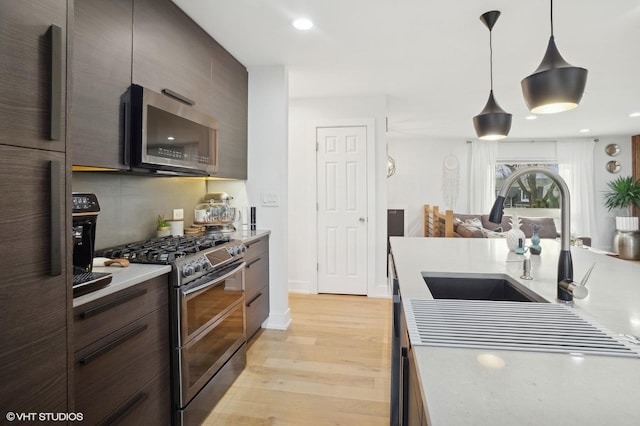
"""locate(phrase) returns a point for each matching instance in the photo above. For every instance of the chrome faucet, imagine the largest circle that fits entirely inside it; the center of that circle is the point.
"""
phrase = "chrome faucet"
(565, 264)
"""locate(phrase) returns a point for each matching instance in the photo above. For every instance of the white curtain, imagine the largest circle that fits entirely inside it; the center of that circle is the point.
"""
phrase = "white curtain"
(482, 176)
(575, 166)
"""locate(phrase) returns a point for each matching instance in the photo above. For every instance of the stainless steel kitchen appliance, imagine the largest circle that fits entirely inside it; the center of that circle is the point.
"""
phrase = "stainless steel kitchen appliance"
(207, 316)
(216, 213)
(84, 211)
(166, 134)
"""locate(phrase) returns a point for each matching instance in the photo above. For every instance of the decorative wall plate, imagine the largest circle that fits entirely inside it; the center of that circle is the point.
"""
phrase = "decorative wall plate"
(612, 149)
(613, 166)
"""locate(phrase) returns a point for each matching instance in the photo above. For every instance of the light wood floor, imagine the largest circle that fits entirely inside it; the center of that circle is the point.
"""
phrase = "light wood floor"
(331, 367)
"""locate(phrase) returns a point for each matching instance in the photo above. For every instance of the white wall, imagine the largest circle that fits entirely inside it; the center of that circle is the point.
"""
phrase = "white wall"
(304, 116)
(605, 220)
(268, 172)
(419, 175)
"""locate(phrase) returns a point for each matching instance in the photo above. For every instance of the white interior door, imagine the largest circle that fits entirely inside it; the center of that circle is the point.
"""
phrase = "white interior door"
(342, 209)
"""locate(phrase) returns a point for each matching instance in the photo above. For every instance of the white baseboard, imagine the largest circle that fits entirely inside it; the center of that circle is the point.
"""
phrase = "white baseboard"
(302, 287)
(278, 321)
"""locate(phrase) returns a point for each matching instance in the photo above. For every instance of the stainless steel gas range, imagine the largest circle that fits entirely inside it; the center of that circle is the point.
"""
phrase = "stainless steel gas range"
(207, 316)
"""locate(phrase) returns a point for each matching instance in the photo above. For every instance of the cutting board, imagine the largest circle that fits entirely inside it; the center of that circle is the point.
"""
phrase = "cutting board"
(104, 261)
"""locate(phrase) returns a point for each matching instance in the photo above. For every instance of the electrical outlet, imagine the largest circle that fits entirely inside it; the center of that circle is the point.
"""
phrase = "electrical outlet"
(178, 214)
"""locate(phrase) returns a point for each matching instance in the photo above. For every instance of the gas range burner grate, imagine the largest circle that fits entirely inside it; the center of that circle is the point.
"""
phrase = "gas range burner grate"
(162, 251)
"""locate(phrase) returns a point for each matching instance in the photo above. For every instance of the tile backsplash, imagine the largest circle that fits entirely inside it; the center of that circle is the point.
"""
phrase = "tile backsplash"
(130, 205)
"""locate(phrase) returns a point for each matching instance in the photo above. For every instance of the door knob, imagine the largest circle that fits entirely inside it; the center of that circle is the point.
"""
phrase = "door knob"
(361, 220)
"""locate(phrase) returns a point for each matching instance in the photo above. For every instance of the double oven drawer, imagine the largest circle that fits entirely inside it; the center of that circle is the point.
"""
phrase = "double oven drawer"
(211, 328)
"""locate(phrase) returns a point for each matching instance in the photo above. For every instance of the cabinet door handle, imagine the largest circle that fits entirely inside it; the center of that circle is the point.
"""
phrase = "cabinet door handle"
(55, 243)
(254, 299)
(112, 345)
(251, 243)
(178, 97)
(124, 411)
(112, 304)
(57, 82)
(253, 261)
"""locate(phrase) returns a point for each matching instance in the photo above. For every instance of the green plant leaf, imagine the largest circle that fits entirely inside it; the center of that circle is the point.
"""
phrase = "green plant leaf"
(623, 192)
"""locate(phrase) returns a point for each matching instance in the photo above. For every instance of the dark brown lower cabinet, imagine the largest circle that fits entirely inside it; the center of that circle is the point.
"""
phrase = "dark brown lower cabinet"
(121, 375)
(256, 287)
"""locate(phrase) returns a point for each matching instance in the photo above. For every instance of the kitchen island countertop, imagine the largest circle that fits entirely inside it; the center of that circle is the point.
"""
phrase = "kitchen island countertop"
(526, 388)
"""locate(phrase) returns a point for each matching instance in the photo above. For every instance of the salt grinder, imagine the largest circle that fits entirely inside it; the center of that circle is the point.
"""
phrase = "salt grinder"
(526, 270)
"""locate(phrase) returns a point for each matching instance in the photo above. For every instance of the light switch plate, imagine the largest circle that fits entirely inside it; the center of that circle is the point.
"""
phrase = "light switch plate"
(178, 214)
(269, 199)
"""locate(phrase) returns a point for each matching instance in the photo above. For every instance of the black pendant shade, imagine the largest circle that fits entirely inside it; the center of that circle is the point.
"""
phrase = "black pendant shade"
(493, 122)
(556, 85)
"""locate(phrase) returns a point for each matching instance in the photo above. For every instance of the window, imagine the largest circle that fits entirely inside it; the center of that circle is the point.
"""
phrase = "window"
(531, 190)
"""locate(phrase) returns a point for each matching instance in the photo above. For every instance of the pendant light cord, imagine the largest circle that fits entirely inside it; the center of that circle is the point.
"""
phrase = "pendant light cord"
(551, 16)
(491, 60)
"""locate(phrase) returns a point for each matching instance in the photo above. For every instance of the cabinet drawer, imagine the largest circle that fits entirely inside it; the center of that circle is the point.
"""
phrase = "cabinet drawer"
(256, 276)
(108, 372)
(257, 310)
(148, 406)
(101, 317)
(256, 248)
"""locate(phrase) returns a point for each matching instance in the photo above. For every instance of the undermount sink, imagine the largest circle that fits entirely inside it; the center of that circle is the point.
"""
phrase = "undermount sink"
(479, 287)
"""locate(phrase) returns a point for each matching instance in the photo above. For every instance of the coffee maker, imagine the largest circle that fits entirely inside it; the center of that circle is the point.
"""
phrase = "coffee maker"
(84, 211)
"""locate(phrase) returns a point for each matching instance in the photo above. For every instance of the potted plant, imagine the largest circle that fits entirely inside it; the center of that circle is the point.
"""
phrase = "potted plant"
(624, 193)
(163, 228)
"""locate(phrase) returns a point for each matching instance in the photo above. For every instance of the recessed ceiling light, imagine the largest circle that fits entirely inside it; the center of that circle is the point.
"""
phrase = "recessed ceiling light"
(170, 138)
(302, 24)
(634, 114)
(585, 130)
(531, 117)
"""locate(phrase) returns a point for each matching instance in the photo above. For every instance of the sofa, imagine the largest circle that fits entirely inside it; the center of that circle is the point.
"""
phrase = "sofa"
(478, 225)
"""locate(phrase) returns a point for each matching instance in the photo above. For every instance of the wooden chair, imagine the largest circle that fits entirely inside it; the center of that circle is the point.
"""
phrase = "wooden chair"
(437, 224)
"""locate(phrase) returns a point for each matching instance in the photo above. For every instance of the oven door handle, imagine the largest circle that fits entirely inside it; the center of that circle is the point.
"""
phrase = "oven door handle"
(239, 268)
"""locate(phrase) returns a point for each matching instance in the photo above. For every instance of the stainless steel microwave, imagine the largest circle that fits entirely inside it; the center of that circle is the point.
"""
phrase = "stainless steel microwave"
(165, 134)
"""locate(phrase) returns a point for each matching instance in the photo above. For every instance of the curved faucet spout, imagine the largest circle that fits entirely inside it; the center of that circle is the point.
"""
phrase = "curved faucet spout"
(565, 264)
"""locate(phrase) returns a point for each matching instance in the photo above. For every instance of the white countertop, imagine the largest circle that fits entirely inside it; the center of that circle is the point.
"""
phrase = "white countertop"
(527, 388)
(123, 278)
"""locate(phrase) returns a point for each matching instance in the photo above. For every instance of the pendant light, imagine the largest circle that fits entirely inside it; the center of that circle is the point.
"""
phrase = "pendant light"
(493, 122)
(556, 85)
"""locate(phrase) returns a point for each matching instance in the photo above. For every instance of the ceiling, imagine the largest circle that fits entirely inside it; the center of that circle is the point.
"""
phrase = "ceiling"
(431, 58)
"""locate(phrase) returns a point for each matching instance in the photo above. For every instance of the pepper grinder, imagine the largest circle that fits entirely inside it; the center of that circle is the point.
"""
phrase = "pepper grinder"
(526, 269)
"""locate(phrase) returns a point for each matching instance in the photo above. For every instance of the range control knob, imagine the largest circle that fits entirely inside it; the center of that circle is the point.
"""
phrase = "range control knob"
(197, 266)
(187, 270)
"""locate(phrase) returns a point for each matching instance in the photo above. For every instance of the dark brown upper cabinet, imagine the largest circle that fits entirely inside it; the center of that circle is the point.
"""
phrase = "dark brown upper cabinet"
(33, 73)
(170, 51)
(101, 70)
(230, 82)
(154, 44)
